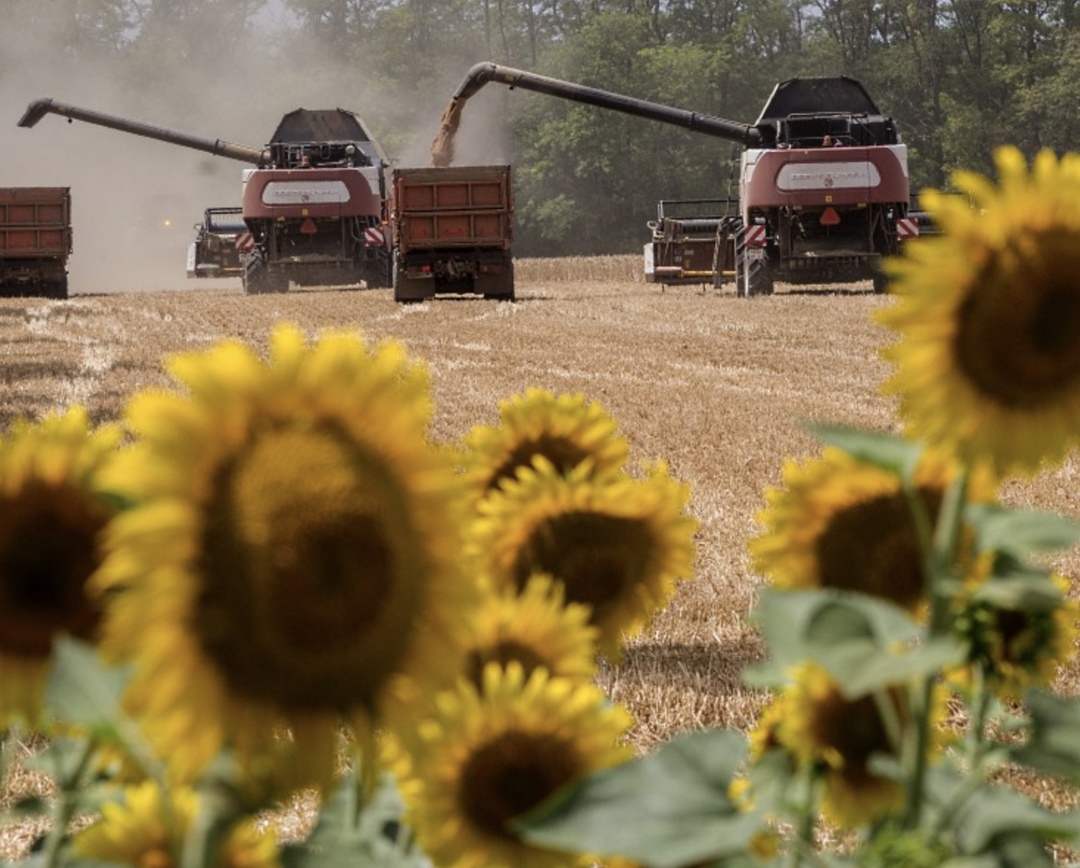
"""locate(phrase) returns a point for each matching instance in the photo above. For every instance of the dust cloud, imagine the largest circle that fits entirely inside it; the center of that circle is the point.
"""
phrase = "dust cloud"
(134, 200)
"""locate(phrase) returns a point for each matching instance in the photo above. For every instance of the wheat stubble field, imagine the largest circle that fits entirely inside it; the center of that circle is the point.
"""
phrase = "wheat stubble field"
(715, 385)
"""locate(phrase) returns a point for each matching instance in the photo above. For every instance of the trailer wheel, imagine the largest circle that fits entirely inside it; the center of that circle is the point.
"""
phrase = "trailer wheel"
(57, 289)
(497, 286)
(881, 282)
(377, 273)
(752, 276)
(409, 290)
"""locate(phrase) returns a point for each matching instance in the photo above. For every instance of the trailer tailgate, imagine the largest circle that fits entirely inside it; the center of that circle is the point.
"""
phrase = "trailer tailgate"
(35, 222)
(452, 207)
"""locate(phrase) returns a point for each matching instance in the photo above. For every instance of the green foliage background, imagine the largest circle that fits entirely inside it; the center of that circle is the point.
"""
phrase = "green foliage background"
(960, 77)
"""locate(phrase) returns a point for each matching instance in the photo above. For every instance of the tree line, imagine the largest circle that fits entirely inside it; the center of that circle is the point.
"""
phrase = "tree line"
(959, 76)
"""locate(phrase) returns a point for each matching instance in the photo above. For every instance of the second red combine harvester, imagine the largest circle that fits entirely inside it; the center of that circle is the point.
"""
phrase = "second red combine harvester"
(823, 190)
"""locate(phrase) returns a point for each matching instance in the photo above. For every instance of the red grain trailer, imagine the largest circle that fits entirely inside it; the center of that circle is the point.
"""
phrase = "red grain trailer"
(35, 241)
(452, 229)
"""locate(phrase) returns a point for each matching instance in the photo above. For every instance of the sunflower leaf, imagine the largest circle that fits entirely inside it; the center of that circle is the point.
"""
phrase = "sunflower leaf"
(83, 691)
(668, 809)
(802, 625)
(1052, 745)
(878, 668)
(81, 688)
(1023, 591)
(997, 818)
(378, 840)
(1021, 532)
(887, 451)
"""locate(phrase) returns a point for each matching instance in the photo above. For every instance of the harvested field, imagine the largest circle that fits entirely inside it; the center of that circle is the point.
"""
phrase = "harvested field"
(715, 385)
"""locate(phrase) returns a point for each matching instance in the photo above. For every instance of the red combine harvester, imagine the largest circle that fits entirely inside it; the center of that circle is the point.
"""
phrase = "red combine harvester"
(314, 206)
(823, 189)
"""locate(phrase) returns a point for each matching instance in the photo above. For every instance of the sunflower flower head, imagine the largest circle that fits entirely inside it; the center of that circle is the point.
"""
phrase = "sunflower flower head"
(617, 544)
(535, 627)
(53, 513)
(843, 524)
(291, 563)
(765, 735)
(487, 756)
(1015, 649)
(147, 828)
(839, 737)
(987, 313)
(564, 429)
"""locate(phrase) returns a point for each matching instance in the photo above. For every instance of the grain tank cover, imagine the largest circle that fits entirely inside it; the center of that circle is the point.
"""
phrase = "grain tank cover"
(320, 125)
(818, 96)
(337, 126)
(802, 112)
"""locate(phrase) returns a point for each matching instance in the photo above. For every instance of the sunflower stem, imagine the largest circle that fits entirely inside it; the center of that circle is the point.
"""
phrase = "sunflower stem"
(982, 712)
(938, 555)
(65, 805)
(977, 754)
(804, 840)
(366, 775)
(946, 548)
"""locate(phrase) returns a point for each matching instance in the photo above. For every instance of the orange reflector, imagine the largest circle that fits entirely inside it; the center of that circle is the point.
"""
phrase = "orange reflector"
(829, 217)
(308, 227)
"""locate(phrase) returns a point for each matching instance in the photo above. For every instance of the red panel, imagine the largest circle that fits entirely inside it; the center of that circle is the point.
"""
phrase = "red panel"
(362, 201)
(764, 190)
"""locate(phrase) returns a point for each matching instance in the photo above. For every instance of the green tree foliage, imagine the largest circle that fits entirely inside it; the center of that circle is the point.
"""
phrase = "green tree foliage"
(959, 76)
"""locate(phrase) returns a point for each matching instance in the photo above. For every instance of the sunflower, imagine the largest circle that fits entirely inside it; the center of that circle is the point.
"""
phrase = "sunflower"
(765, 734)
(147, 830)
(535, 627)
(1015, 648)
(987, 315)
(292, 560)
(844, 524)
(487, 756)
(53, 512)
(564, 429)
(838, 737)
(617, 544)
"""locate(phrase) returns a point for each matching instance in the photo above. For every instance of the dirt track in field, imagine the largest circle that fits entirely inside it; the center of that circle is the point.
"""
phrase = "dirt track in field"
(716, 385)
